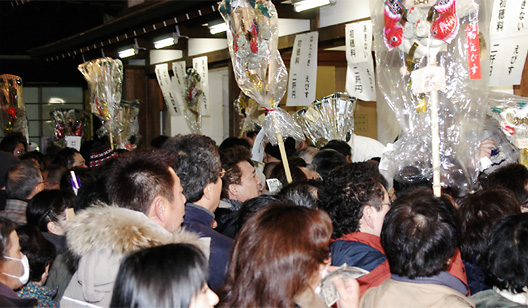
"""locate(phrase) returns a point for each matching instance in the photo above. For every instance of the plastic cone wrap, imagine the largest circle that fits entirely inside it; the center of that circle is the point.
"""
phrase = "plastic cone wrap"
(193, 101)
(259, 70)
(428, 71)
(105, 79)
(511, 112)
(68, 122)
(13, 117)
(328, 118)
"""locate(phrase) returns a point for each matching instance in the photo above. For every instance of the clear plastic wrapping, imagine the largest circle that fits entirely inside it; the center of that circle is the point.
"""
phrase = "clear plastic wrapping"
(193, 101)
(259, 70)
(247, 109)
(13, 117)
(105, 78)
(68, 122)
(415, 47)
(328, 118)
(511, 114)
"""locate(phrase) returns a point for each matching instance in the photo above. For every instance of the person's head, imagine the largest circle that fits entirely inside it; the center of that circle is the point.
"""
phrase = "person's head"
(14, 144)
(148, 278)
(302, 193)
(420, 234)
(70, 158)
(272, 152)
(253, 205)
(37, 159)
(83, 176)
(47, 210)
(512, 176)
(24, 180)
(308, 153)
(478, 213)
(39, 251)
(327, 160)
(97, 154)
(507, 256)
(198, 165)
(297, 175)
(341, 146)
(52, 176)
(408, 179)
(355, 199)
(144, 181)
(232, 141)
(12, 268)
(90, 194)
(159, 141)
(277, 254)
(240, 181)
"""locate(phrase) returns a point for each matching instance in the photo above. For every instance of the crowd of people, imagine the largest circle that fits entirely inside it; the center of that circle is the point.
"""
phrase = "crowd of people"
(189, 223)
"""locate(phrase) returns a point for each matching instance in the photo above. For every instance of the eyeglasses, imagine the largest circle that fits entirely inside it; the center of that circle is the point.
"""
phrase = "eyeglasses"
(222, 173)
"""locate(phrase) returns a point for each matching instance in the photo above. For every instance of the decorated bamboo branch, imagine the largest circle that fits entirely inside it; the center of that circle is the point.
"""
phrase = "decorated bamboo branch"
(13, 111)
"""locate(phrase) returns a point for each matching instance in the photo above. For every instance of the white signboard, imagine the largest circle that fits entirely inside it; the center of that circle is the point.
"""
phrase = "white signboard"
(200, 65)
(303, 70)
(509, 41)
(360, 81)
(167, 89)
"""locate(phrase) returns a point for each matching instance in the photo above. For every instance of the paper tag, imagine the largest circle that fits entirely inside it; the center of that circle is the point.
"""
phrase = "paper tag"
(73, 142)
(257, 153)
(473, 52)
(428, 79)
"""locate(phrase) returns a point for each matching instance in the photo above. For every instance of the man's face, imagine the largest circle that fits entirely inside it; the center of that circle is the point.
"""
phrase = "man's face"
(78, 161)
(19, 150)
(177, 206)
(249, 186)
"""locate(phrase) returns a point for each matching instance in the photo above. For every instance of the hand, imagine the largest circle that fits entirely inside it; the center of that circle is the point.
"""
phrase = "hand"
(348, 292)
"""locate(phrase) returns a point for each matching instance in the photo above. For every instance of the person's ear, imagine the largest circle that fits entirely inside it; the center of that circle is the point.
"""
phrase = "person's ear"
(207, 191)
(233, 190)
(367, 216)
(157, 209)
(55, 228)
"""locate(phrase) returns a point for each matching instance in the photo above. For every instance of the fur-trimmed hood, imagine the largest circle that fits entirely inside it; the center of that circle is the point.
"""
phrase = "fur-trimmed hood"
(100, 236)
(120, 230)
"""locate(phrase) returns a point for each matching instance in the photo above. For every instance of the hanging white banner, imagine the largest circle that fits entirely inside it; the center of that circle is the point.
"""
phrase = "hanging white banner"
(167, 89)
(303, 70)
(200, 65)
(178, 68)
(509, 42)
(360, 81)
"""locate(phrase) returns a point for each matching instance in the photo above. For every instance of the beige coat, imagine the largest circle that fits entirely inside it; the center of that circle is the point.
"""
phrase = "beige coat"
(101, 236)
(399, 294)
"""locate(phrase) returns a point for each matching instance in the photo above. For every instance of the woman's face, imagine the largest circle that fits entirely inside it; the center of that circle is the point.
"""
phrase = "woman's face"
(12, 267)
(205, 298)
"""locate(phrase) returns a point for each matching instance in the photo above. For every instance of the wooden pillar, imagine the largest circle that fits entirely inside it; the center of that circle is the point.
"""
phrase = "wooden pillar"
(522, 89)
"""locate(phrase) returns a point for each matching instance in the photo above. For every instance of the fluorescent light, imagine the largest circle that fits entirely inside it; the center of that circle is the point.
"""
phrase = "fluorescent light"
(310, 4)
(164, 42)
(56, 100)
(218, 28)
(127, 53)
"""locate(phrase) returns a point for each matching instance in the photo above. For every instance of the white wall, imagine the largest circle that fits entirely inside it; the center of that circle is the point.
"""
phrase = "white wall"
(343, 11)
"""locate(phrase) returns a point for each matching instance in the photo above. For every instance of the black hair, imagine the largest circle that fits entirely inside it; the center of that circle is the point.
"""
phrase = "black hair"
(39, 251)
(91, 194)
(22, 178)
(6, 227)
(419, 235)
(148, 278)
(512, 176)
(302, 193)
(253, 205)
(159, 141)
(339, 145)
(232, 141)
(230, 159)
(408, 179)
(47, 206)
(136, 178)
(327, 160)
(273, 150)
(9, 143)
(507, 256)
(345, 193)
(84, 176)
(65, 157)
(197, 163)
(277, 172)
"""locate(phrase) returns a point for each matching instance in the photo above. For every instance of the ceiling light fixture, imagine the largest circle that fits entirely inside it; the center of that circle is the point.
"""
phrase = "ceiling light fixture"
(169, 41)
(127, 53)
(218, 28)
(303, 5)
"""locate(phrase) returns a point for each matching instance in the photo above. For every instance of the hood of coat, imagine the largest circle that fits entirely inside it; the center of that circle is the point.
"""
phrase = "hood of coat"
(119, 231)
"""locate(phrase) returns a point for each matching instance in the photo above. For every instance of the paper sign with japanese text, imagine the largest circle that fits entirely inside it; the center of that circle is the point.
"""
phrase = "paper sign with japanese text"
(303, 70)
(200, 65)
(167, 89)
(360, 79)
